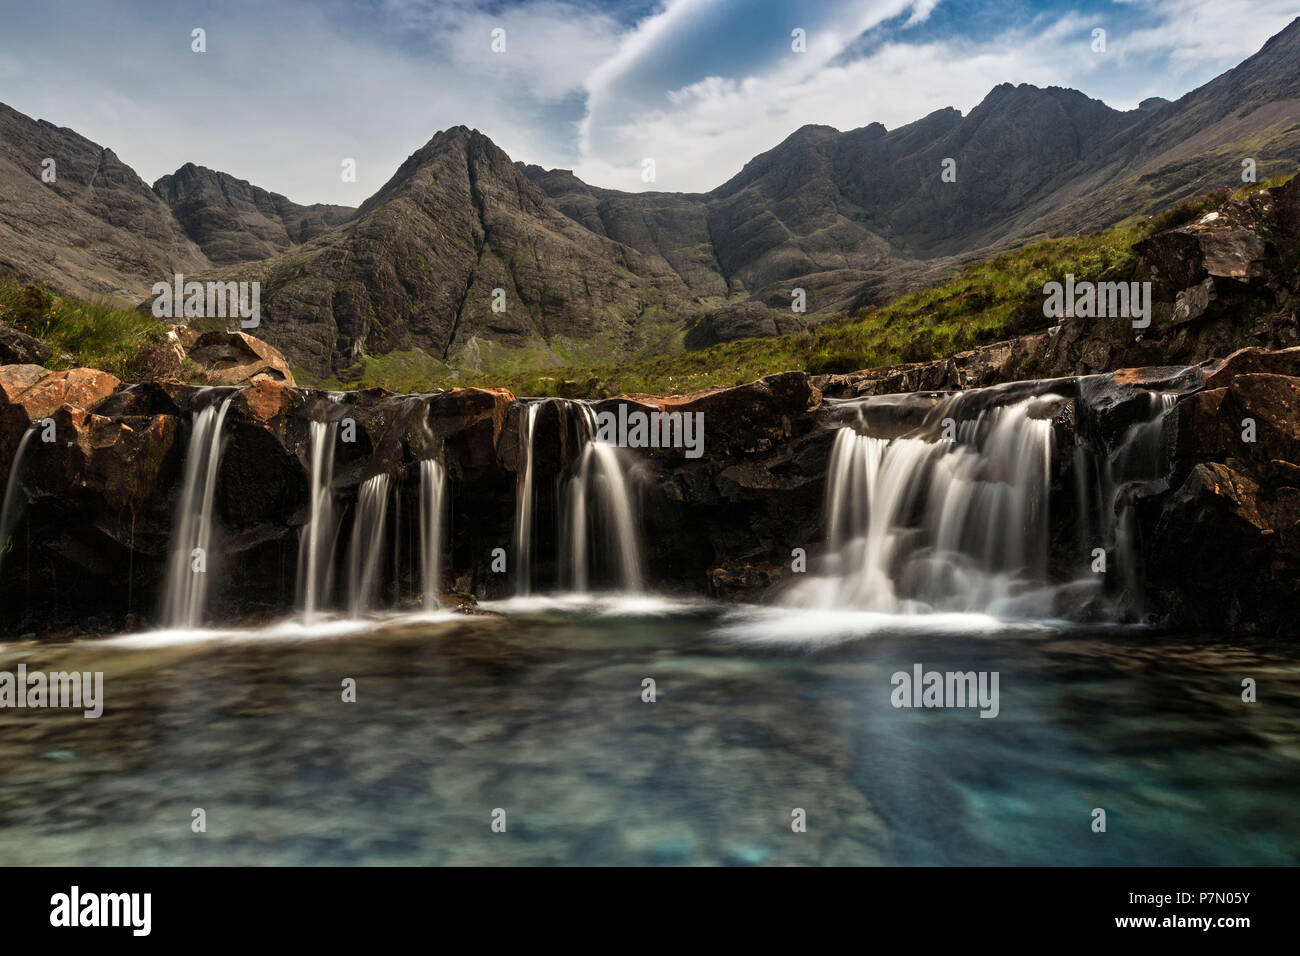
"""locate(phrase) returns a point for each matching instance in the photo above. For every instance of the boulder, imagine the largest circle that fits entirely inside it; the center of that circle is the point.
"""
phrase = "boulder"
(19, 348)
(29, 393)
(743, 320)
(230, 358)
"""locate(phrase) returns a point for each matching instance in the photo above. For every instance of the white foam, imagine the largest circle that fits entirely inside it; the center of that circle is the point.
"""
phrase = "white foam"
(610, 604)
(811, 628)
(291, 630)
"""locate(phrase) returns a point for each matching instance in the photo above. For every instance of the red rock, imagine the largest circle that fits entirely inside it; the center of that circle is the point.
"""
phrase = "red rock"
(266, 399)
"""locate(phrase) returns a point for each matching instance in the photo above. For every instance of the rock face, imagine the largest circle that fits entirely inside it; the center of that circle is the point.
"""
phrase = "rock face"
(29, 394)
(1232, 522)
(232, 220)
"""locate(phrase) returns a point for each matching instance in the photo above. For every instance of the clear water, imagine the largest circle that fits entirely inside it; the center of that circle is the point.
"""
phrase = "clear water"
(540, 713)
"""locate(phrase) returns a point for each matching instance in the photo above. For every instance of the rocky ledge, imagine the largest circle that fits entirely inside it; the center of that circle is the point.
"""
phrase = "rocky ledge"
(1219, 533)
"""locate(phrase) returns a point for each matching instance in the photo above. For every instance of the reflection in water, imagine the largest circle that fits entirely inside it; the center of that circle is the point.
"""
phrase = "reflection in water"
(542, 715)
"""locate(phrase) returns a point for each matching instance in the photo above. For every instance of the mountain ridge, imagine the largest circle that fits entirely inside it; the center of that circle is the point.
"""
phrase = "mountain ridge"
(586, 273)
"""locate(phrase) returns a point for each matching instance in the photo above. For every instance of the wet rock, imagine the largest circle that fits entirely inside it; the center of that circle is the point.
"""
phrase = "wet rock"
(1244, 361)
(750, 418)
(100, 500)
(1226, 542)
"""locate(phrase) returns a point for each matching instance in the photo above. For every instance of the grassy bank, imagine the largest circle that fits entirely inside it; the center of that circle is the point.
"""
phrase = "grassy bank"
(100, 335)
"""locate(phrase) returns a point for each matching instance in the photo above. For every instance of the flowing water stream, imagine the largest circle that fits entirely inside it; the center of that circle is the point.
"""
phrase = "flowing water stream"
(188, 573)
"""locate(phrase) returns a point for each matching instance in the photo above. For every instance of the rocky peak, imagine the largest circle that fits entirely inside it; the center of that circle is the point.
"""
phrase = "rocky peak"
(232, 220)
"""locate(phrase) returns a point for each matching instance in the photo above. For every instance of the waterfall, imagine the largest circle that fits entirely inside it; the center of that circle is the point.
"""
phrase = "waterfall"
(366, 549)
(952, 511)
(10, 509)
(433, 508)
(599, 540)
(1138, 462)
(954, 523)
(524, 501)
(187, 577)
(599, 514)
(317, 539)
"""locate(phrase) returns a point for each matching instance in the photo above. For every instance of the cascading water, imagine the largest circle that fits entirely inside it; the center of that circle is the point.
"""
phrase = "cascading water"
(317, 539)
(366, 549)
(524, 501)
(187, 576)
(599, 542)
(10, 507)
(916, 524)
(599, 517)
(1137, 463)
(433, 509)
(949, 517)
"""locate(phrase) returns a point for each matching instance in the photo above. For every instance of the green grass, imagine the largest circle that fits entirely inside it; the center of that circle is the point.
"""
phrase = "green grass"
(100, 335)
(986, 302)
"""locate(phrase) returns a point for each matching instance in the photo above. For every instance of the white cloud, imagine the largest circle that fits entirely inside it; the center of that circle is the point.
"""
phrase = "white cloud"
(702, 132)
(1195, 32)
(287, 90)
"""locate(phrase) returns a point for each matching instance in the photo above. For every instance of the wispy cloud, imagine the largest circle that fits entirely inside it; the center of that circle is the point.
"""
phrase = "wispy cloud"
(287, 90)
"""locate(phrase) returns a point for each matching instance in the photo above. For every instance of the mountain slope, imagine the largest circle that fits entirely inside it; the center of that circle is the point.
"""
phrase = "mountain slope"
(97, 229)
(856, 217)
(594, 275)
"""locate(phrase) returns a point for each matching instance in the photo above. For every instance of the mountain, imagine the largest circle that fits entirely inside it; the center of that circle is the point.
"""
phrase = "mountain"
(96, 229)
(854, 217)
(590, 275)
(232, 220)
(417, 266)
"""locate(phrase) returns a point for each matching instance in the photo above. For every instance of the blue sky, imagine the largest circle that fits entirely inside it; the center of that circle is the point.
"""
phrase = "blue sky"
(287, 90)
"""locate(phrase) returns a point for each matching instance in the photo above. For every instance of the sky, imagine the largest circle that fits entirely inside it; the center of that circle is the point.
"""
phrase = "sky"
(284, 92)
